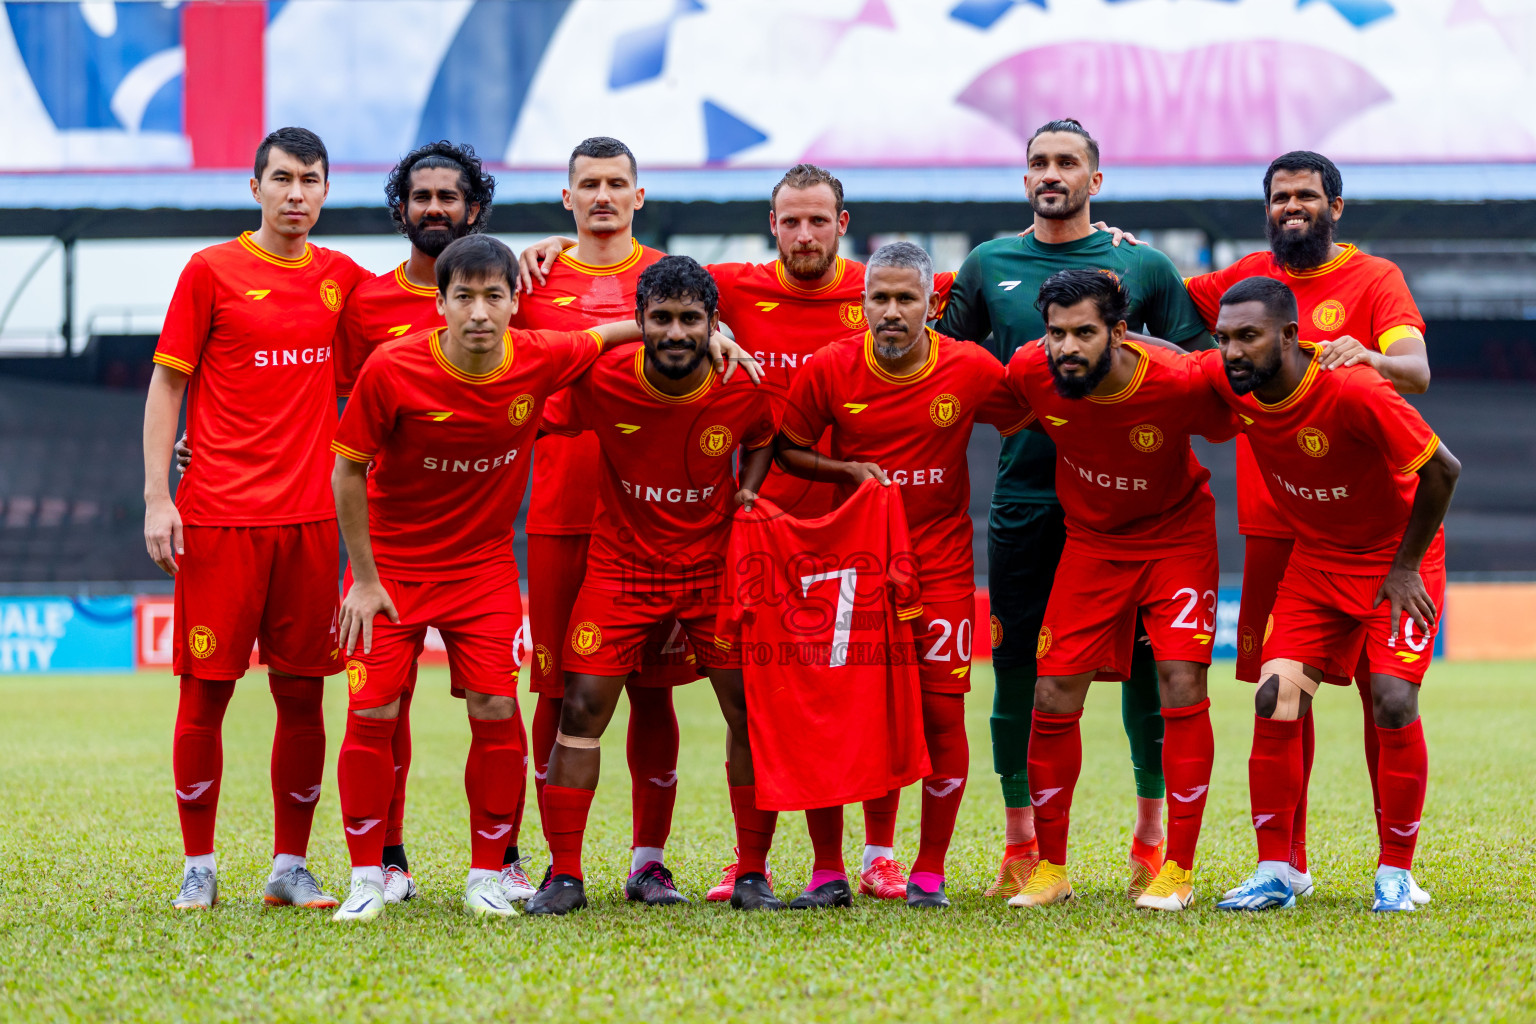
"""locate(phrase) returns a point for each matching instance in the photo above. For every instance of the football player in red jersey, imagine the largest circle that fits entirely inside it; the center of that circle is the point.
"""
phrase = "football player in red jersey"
(1141, 541)
(900, 403)
(668, 428)
(1364, 484)
(251, 536)
(591, 282)
(446, 418)
(784, 312)
(1360, 306)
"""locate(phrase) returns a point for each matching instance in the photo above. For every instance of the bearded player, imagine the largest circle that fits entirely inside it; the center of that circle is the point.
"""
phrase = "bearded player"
(994, 295)
(668, 430)
(1141, 538)
(1364, 484)
(593, 281)
(900, 404)
(445, 418)
(1344, 295)
(785, 312)
(251, 536)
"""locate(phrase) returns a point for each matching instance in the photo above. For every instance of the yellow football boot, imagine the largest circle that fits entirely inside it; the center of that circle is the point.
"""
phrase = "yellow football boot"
(1172, 889)
(1047, 884)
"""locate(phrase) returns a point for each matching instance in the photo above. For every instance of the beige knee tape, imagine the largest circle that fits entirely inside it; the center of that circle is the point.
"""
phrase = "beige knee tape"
(578, 742)
(1293, 681)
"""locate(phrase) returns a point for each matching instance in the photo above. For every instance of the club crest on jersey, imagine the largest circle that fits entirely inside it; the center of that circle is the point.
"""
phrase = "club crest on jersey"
(586, 638)
(201, 641)
(520, 409)
(1146, 438)
(716, 440)
(1044, 643)
(852, 315)
(544, 660)
(997, 632)
(944, 410)
(330, 294)
(1328, 315)
(1247, 642)
(357, 675)
(1312, 441)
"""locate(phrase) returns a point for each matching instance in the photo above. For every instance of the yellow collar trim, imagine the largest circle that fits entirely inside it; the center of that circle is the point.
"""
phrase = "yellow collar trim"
(1136, 378)
(471, 378)
(635, 252)
(1333, 264)
(662, 396)
(789, 283)
(407, 285)
(247, 240)
(912, 378)
(1307, 381)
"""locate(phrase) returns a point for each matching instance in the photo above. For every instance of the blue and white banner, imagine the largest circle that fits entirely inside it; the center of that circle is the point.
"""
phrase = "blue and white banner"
(63, 634)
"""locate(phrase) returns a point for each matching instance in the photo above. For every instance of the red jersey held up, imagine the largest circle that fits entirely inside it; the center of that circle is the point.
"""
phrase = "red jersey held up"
(821, 612)
(666, 483)
(574, 297)
(1130, 485)
(381, 309)
(1354, 294)
(253, 331)
(450, 449)
(917, 429)
(783, 325)
(1340, 457)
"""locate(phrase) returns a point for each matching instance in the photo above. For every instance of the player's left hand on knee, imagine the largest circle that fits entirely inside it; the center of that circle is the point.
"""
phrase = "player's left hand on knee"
(727, 356)
(358, 608)
(1405, 589)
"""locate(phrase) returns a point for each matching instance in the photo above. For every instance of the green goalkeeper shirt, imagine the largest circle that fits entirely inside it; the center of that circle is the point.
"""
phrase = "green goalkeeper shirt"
(994, 294)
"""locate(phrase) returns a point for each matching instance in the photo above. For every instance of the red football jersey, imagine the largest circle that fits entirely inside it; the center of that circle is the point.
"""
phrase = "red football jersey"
(1339, 457)
(381, 309)
(254, 331)
(821, 610)
(916, 428)
(575, 296)
(1130, 485)
(783, 325)
(451, 450)
(1354, 294)
(666, 480)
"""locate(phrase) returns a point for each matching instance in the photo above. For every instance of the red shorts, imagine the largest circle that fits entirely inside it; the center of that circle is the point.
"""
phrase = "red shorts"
(1090, 620)
(557, 564)
(238, 585)
(611, 631)
(1322, 619)
(944, 634)
(478, 618)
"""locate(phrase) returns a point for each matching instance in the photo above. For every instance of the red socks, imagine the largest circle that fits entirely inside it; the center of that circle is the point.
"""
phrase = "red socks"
(1055, 760)
(493, 781)
(364, 777)
(546, 722)
(651, 746)
(522, 785)
(400, 751)
(825, 824)
(754, 831)
(197, 759)
(880, 819)
(950, 757)
(1372, 752)
(1404, 776)
(1299, 823)
(1274, 784)
(1188, 751)
(298, 760)
(565, 822)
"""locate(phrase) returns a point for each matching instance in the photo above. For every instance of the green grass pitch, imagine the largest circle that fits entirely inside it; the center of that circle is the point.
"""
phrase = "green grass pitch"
(89, 855)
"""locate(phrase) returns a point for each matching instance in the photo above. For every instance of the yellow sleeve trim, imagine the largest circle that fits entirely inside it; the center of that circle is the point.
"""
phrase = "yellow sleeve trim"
(597, 338)
(350, 453)
(1393, 335)
(176, 364)
(1423, 456)
(755, 447)
(722, 643)
(908, 614)
(1022, 424)
(802, 442)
